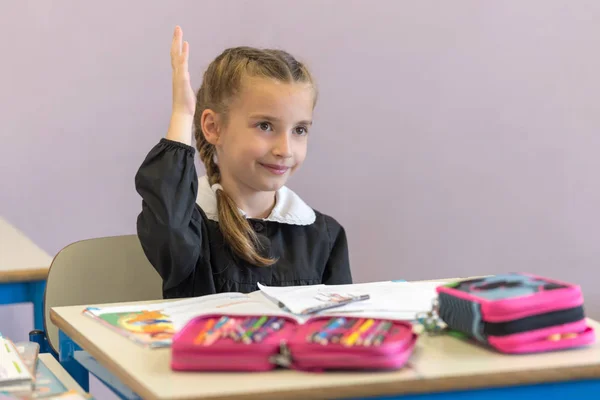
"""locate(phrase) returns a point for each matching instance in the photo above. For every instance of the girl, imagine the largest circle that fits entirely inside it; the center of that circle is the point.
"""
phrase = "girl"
(239, 224)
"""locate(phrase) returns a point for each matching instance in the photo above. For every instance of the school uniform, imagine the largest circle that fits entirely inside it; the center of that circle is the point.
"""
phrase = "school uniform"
(178, 229)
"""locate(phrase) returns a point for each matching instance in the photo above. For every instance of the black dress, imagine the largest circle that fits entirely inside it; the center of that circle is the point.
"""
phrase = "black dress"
(179, 231)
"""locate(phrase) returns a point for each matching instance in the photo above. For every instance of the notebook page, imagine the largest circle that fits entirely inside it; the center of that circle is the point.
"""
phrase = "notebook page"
(395, 300)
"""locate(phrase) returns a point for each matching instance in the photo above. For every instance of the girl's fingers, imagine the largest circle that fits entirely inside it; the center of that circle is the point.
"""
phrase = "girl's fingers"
(176, 46)
(185, 51)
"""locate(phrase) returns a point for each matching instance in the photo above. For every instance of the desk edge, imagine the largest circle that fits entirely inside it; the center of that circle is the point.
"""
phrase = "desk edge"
(429, 385)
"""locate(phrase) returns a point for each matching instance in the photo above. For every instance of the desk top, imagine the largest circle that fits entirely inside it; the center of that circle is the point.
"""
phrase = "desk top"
(20, 258)
(60, 373)
(438, 363)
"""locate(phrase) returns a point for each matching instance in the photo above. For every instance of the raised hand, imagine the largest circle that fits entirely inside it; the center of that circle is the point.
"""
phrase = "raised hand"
(184, 99)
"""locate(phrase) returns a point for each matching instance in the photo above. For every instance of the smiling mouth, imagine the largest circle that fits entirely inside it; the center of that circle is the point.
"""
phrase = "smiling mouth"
(276, 169)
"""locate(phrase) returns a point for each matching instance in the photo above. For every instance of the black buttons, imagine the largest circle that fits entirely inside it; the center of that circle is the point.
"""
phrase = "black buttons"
(259, 226)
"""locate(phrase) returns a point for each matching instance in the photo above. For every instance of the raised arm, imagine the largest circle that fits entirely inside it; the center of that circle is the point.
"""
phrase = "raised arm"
(170, 226)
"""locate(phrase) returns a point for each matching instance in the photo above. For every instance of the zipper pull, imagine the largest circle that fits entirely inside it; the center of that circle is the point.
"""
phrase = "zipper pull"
(430, 321)
(284, 357)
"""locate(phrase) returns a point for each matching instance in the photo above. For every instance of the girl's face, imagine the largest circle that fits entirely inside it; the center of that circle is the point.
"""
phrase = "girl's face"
(264, 140)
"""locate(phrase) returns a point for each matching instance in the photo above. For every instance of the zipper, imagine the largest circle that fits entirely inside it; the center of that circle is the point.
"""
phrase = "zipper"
(320, 359)
(220, 360)
(513, 309)
(534, 322)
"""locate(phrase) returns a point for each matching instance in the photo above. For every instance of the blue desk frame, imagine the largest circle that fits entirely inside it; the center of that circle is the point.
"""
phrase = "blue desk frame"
(79, 364)
(25, 292)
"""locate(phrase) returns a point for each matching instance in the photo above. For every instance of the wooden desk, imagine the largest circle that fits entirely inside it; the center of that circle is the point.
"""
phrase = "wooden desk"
(59, 372)
(440, 363)
(23, 270)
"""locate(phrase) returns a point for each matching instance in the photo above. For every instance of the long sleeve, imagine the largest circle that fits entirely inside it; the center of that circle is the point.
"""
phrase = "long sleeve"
(170, 227)
(337, 271)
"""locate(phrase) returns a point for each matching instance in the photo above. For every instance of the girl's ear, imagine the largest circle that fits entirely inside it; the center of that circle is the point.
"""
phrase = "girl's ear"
(210, 126)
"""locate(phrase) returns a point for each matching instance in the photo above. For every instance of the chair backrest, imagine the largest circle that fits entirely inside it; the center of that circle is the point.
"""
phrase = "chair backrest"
(103, 270)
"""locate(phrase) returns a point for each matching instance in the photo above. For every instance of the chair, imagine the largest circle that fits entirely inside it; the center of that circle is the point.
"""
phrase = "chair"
(102, 270)
(95, 271)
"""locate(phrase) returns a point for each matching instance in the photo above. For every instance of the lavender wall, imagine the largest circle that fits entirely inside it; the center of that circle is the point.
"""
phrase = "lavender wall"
(451, 139)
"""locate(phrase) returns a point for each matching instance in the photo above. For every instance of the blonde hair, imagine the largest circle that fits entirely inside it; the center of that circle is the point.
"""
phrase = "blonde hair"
(221, 82)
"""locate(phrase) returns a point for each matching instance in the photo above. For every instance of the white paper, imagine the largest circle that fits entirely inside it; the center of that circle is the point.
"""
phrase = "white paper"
(396, 300)
(246, 304)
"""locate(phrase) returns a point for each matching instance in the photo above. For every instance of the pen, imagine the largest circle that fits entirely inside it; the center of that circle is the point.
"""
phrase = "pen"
(327, 306)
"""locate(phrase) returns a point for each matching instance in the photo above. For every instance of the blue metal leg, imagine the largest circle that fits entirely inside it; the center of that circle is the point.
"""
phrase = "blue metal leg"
(67, 349)
(41, 339)
(36, 296)
(26, 292)
(111, 382)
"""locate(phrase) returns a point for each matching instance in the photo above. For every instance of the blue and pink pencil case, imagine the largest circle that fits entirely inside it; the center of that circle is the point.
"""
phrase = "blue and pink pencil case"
(262, 343)
(517, 312)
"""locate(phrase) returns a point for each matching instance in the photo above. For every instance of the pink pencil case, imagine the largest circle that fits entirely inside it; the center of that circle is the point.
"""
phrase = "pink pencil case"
(319, 344)
(516, 312)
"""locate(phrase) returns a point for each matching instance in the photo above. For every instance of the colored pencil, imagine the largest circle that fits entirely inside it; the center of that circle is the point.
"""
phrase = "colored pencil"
(209, 324)
(246, 336)
(383, 334)
(322, 335)
(382, 326)
(353, 335)
(272, 325)
(220, 330)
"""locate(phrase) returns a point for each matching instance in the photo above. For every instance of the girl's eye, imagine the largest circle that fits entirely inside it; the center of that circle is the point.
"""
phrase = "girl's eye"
(301, 130)
(265, 126)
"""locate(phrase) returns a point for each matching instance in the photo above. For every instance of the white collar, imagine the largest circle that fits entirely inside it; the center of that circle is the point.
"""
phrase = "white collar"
(289, 207)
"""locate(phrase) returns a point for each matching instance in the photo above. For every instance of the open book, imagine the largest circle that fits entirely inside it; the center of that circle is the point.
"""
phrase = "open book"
(155, 324)
(15, 377)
